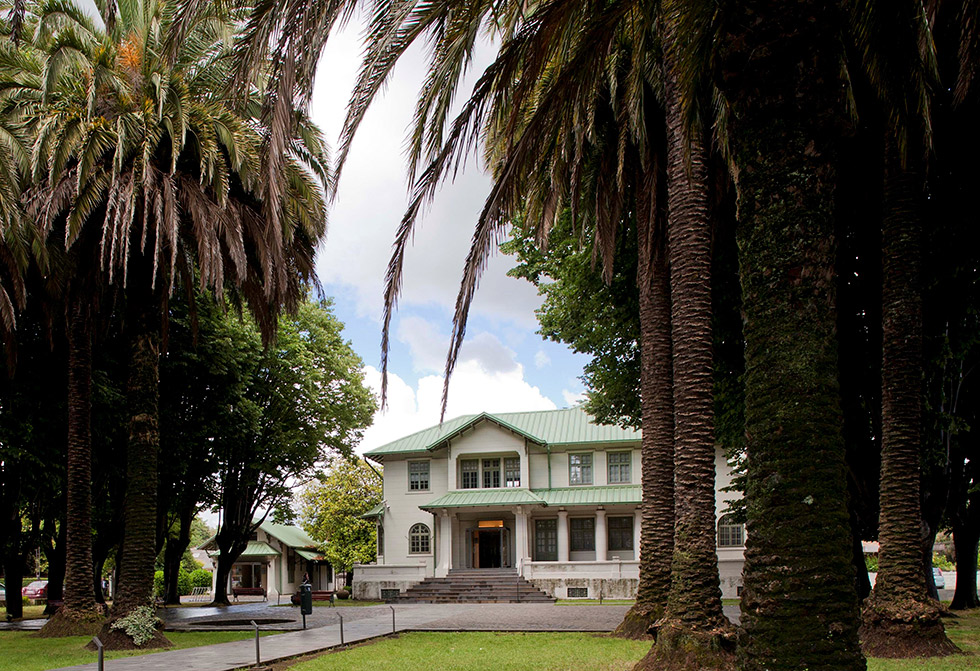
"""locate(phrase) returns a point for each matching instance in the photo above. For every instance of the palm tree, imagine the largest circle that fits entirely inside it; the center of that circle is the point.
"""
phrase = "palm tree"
(900, 619)
(781, 75)
(151, 164)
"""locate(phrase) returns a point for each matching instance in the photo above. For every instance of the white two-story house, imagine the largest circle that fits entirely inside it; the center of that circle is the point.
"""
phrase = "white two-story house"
(551, 494)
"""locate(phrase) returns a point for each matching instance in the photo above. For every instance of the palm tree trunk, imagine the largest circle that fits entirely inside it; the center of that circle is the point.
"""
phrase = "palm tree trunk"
(138, 551)
(899, 619)
(694, 629)
(79, 615)
(657, 406)
(780, 71)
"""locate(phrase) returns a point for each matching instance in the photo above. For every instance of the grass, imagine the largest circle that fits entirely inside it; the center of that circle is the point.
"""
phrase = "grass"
(424, 651)
(963, 630)
(30, 612)
(22, 651)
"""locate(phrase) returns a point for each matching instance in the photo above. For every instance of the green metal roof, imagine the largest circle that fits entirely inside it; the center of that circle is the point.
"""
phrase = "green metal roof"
(570, 426)
(590, 496)
(292, 536)
(376, 511)
(483, 497)
(311, 555)
(256, 549)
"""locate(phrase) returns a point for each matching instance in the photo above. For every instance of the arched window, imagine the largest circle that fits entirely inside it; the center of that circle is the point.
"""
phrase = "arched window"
(731, 534)
(418, 539)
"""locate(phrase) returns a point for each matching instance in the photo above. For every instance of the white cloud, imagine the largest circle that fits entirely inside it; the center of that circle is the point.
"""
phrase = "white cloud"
(428, 348)
(472, 390)
(372, 196)
(541, 359)
(573, 398)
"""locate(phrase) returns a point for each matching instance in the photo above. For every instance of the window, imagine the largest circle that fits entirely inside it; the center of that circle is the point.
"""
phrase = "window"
(418, 476)
(619, 467)
(418, 540)
(546, 540)
(512, 472)
(491, 473)
(381, 540)
(620, 531)
(583, 534)
(470, 472)
(731, 534)
(580, 469)
(290, 565)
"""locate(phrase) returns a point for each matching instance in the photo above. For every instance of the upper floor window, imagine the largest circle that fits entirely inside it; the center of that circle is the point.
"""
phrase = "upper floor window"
(619, 531)
(620, 467)
(731, 534)
(469, 474)
(418, 476)
(491, 473)
(418, 539)
(512, 472)
(580, 469)
(582, 536)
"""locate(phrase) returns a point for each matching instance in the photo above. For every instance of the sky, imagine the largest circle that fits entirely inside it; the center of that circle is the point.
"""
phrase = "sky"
(504, 364)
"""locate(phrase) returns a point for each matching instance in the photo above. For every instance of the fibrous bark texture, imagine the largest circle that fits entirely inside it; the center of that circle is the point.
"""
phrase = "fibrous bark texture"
(780, 71)
(139, 535)
(657, 405)
(899, 619)
(79, 614)
(694, 632)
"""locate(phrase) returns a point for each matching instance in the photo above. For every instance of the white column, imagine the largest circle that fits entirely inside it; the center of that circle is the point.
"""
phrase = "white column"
(458, 546)
(562, 535)
(445, 545)
(637, 530)
(600, 535)
(520, 539)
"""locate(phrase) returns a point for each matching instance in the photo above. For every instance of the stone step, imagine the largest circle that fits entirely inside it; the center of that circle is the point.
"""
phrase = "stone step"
(476, 586)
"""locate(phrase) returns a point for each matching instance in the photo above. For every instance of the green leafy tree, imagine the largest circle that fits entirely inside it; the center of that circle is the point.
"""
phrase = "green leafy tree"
(331, 509)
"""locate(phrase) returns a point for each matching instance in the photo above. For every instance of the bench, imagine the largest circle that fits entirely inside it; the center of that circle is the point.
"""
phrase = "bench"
(318, 595)
(247, 591)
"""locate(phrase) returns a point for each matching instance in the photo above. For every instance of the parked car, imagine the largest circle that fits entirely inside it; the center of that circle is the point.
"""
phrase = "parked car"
(36, 590)
(937, 576)
(3, 592)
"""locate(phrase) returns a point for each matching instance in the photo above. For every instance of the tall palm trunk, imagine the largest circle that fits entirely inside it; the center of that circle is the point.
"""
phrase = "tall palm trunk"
(780, 71)
(900, 620)
(657, 407)
(79, 614)
(139, 544)
(694, 626)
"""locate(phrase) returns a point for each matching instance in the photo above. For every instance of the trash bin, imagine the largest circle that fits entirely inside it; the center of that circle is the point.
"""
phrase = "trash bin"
(306, 599)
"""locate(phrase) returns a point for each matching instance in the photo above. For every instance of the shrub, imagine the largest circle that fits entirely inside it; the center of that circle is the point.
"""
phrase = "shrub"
(342, 594)
(141, 624)
(942, 562)
(183, 582)
(871, 562)
(158, 584)
(200, 578)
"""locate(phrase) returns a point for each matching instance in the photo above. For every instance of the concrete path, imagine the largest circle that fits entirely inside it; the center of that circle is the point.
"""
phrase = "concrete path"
(376, 621)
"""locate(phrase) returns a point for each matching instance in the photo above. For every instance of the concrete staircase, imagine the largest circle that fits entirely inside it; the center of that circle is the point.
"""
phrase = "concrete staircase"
(476, 586)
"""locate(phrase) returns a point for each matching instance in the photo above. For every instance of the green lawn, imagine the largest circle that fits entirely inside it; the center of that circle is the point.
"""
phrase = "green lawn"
(30, 612)
(22, 651)
(475, 651)
(425, 651)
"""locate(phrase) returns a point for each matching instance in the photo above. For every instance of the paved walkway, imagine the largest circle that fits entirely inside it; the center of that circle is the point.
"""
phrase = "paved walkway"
(372, 621)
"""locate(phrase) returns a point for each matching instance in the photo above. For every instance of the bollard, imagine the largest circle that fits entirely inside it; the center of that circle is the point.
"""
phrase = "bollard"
(518, 588)
(341, 628)
(258, 661)
(392, 619)
(98, 645)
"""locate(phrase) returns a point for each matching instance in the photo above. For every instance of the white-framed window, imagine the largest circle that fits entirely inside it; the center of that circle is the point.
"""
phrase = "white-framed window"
(620, 467)
(580, 469)
(419, 540)
(512, 472)
(619, 533)
(418, 476)
(491, 473)
(731, 534)
(582, 534)
(469, 474)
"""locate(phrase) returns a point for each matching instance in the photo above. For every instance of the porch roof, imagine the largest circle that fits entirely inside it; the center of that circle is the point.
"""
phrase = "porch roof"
(311, 555)
(590, 496)
(376, 511)
(255, 549)
(469, 498)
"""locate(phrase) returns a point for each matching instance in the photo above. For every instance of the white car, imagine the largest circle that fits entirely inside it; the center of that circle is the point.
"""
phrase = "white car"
(938, 578)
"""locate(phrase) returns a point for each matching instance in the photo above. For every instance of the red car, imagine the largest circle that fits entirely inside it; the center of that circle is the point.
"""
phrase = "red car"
(36, 590)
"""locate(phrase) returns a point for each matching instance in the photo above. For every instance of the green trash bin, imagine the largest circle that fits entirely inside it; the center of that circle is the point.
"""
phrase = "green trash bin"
(306, 599)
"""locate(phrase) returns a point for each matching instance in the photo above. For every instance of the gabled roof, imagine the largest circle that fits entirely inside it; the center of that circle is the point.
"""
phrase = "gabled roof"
(292, 536)
(569, 426)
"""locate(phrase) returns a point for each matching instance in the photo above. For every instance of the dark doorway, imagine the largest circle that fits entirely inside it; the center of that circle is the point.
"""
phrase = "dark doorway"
(490, 548)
